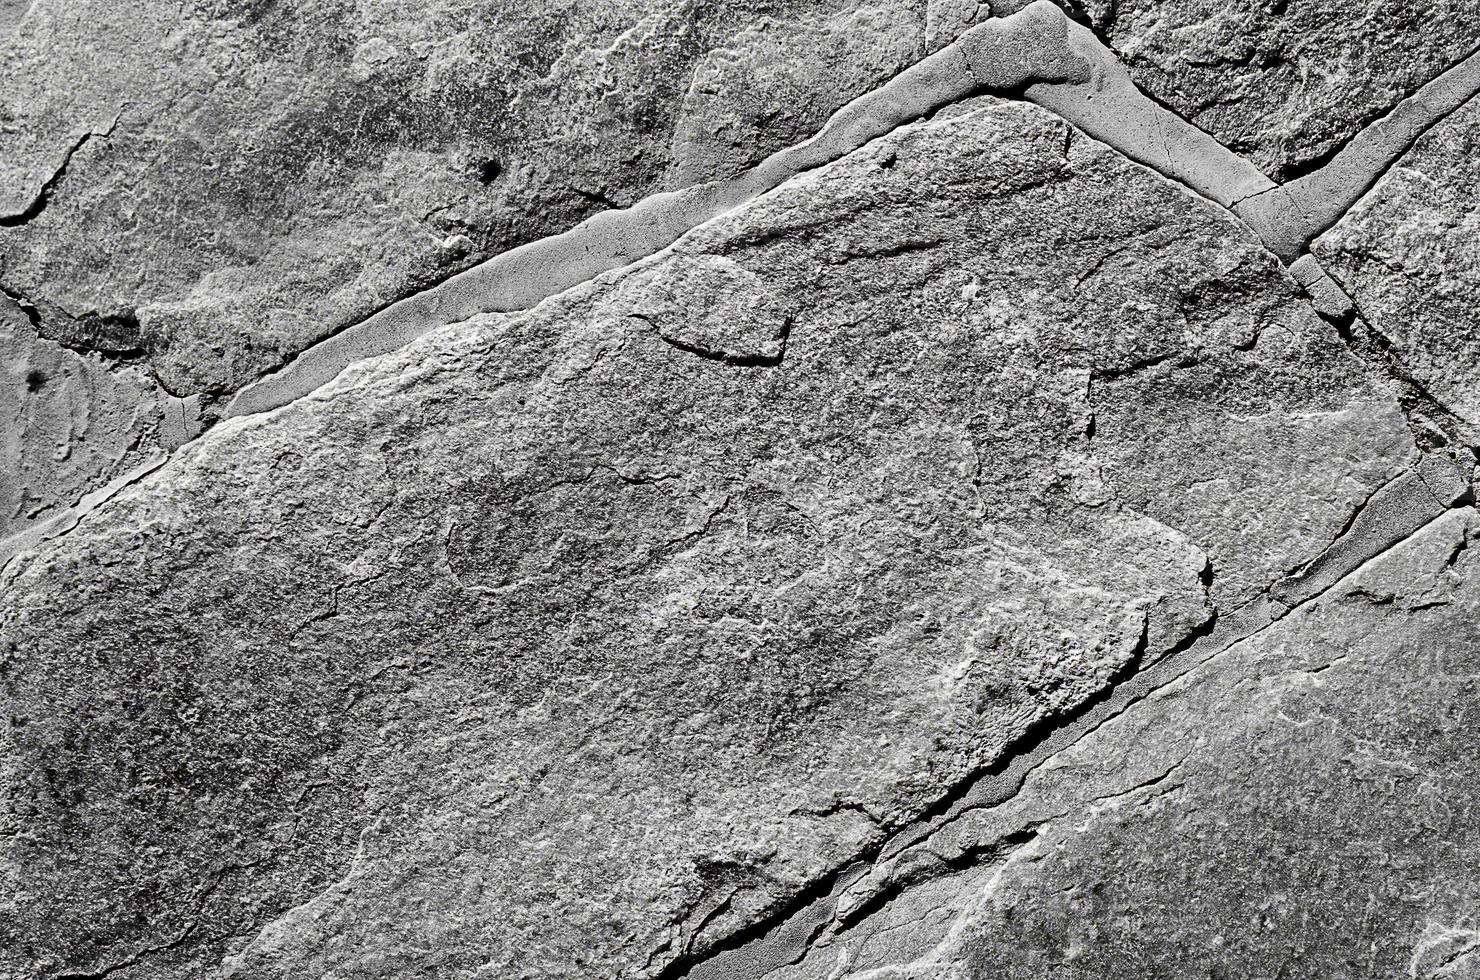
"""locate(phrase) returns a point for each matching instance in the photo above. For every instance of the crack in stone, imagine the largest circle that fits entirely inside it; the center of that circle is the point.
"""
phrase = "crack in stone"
(67, 521)
(43, 196)
(765, 941)
(523, 276)
(1289, 217)
(1188, 156)
(1378, 351)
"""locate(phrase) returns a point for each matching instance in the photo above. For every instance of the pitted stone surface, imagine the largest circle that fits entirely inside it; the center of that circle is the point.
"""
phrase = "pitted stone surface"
(548, 647)
(1288, 82)
(1406, 256)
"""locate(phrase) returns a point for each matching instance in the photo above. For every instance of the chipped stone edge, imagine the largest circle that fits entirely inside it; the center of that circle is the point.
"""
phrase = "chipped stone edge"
(1395, 513)
(63, 522)
(1000, 54)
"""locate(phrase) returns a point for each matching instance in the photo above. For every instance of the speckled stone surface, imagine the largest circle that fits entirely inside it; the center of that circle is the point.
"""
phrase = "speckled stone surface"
(1406, 255)
(980, 555)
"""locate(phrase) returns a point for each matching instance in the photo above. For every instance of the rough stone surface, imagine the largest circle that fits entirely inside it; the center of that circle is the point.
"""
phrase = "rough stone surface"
(1406, 255)
(1304, 804)
(219, 183)
(977, 542)
(69, 422)
(613, 625)
(1285, 82)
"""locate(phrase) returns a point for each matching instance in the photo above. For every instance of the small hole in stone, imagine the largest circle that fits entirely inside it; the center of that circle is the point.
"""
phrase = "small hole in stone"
(488, 171)
(34, 380)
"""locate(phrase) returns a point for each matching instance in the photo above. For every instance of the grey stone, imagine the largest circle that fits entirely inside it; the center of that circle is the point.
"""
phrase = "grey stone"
(697, 491)
(69, 423)
(1285, 83)
(1305, 803)
(579, 641)
(1406, 256)
(221, 184)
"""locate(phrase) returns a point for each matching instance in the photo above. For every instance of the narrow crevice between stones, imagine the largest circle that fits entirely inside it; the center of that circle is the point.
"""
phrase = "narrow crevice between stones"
(1291, 216)
(1015, 66)
(33, 315)
(65, 522)
(1434, 425)
(736, 957)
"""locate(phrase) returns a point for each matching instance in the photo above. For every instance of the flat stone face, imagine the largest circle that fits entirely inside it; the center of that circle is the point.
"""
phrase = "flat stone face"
(1305, 802)
(574, 642)
(69, 423)
(1406, 255)
(219, 184)
(1285, 83)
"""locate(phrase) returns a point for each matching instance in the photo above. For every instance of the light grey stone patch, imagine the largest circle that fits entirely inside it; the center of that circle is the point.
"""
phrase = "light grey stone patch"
(68, 423)
(1405, 255)
(1309, 731)
(1037, 51)
(182, 421)
(1105, 102)
(1325, 295)
(1285, 84)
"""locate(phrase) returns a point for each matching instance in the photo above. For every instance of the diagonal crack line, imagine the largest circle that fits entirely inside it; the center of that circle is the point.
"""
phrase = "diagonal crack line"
(58, 526)
(1151, 681)
(1374, 347)
(32, 314)
(1294, 214)
(48, 187)
(1000, 785)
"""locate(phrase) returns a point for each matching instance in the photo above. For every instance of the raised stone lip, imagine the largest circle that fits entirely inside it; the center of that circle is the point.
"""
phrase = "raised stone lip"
(1290, 216)
(1398, 511)
(1037, 53)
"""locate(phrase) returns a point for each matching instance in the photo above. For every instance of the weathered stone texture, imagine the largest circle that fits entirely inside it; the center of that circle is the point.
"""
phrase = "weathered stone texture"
(571, 642)
(69, 422)
(259, 174)
(1285, 82)
(1406, 254)
(976, 556)
(1304, 804)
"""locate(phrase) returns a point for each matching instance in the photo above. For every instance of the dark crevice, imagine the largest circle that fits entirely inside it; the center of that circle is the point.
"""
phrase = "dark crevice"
(892, 251)
(597, 198)
(820, 890)
(28, 308)
(1178, 359)
(1047, 738)
(1309, 167)
(996, 850)
(48, 188)
(1446, 429)
(940, 813)
(741, 360)
(488, 171)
